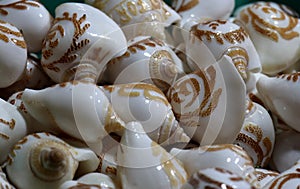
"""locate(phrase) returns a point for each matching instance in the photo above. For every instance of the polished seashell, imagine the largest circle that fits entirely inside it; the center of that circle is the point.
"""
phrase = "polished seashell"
(280, 95)
(209, 103)
(37, 23)
(225, 38)
(136, 17)
(43, 160)
(265, 176)
(286, 150)
(12, 128)
(257, 135)
(147, 104)
(271, 28)
(204, 9)
(146, 60)
(78, 46)
(287, 179)
(226, 156)
(216, 178)
(33, 77)
(4, 184)
(91, 181)
(73, 106)
(142, 163)
(12, 45)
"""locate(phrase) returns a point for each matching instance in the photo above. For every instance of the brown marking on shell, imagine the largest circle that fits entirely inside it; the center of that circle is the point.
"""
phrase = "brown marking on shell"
(11, 124)
(112, 121)
(294, 77)
(261, 175)
(286, 33)
(5, 30)
(279, 182)
(4, 136)
(19, 5)
(187, 6)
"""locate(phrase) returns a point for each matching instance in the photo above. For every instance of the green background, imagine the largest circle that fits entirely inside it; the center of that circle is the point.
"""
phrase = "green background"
(295, 4)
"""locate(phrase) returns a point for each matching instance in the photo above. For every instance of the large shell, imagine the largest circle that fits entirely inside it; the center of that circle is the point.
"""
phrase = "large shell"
(271, 28)
(226, 156)
(73, 106)
(13, 54)
(280, 95)
(4, 184)
(36, 25)
(147, 104)
(78, 44)
(12, 128)
(218, 178)
(142, 163)
(287, 179)
(136, 17)
(209, 104)
(43, 160)
(225, 38)
(91, 181)
(146, 60)
(33, 77)
(257, 135)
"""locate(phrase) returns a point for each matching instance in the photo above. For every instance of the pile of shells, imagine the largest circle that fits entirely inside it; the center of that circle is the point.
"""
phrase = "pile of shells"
(137, 94)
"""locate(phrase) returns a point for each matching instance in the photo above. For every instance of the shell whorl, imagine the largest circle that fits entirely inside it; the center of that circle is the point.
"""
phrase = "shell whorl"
(49, 160)
(240, 59)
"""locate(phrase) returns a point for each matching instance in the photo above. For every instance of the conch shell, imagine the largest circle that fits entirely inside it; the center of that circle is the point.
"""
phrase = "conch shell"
(73, 106)
(12, 128)
(139, 157)
(42, 160)
(147, 104)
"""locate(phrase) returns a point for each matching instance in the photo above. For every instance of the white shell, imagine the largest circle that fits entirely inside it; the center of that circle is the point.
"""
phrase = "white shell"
(71, 107)
(78, 45)
(257, 135)
(146, 60)
(36, 25)
(226, 156)
(209, 103)
(33, 77)
(204, 9)
(136, 17)
(147, 104)
(271, 28)
(286, 150)
(216, 178)
(287, 179)
(13, 54)
(43, 160)
(170, 16)
(4, 184)
(12, 128)
(91, 181)
(225, 38)
(264, 176)
(142, 163)
(280, 95)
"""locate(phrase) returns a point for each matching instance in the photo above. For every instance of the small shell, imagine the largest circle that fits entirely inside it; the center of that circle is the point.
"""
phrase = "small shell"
(34, 32)
(287, 179)
(146, 60)
(225, 38)
(72, 106)
(286, 150)
(271, 27)
(257, 135)
(33, 77)
(12, 128)
(226, 156)
(4, 184)
(216, 178)
(209, 103)
(280, 95)
(43, 160)
(12, 45)
(147, 104)
(78, 46)
(264, 176)
(142, 163)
